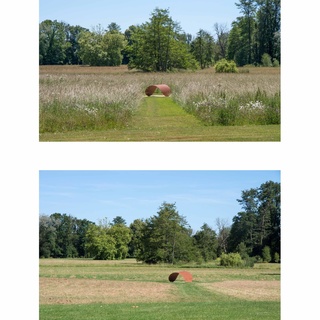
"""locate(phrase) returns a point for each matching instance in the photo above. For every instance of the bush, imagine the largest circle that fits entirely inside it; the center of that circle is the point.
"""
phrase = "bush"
(275, 63)
(266, 255)
(266, 60)
(231, 260)
(225, 66)
(249, 261)
(276, 257)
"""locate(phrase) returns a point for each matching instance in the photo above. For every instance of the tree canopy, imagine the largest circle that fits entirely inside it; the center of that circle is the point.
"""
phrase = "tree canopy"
(160, 44)
(166, 237)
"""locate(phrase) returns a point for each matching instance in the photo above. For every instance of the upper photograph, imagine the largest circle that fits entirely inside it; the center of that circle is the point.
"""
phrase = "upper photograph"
(159, 70)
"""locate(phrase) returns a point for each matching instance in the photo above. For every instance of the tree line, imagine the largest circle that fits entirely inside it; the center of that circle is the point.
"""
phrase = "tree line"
(166, 237)
(160, 44)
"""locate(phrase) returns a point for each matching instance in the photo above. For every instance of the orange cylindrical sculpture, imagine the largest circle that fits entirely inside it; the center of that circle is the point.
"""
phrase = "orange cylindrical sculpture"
(162, 87)
(186, 276)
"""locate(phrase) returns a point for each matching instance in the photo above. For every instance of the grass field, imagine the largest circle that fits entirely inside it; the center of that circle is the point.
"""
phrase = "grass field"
(79, 103)
(86, 289)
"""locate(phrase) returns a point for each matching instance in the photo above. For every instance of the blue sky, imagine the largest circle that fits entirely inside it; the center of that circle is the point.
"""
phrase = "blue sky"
(192, 15)
(200, 196)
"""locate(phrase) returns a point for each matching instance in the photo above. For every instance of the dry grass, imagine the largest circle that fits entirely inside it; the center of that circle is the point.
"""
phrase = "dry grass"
(65, 281)
(248, 290)
(87, 82)
(93, 102)
(80, 291)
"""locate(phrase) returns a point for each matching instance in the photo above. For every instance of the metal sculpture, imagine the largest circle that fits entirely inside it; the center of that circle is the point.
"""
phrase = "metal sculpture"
(186, 276)
(162, 87)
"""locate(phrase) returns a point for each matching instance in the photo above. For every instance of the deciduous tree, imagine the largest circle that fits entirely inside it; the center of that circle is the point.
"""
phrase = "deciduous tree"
(157, 45)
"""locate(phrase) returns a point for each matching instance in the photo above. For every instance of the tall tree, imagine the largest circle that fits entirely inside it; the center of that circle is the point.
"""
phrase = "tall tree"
(166, 237)
(222, 34)
(100, 48)
(248, 8)
(66, 235)
(207, 243)
(72, 50)
(202, 48)
(52, 42)
(268, 22)
(137, 228)
(47, 237)
(122, 236)
(118, 220)
(114, 28)
(157, 45)
(223, 235)
(259, 224)
(100, 244)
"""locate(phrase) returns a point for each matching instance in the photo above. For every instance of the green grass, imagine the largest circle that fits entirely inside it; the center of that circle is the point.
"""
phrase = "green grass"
(217, 310)
(161, 119)
(190, 300)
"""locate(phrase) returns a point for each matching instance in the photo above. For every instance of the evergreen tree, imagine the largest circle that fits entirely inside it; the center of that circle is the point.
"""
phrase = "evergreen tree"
(166, 237)
(207, 243)
(259, 224)
(202, 47)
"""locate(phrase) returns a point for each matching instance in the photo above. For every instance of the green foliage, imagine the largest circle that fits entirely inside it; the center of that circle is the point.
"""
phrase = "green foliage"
(99, 48)
(60, 116)
(166, 237)
(52, 42)
(231, 260)
(276, 257)
(225, 66)
(122, 236)
(256, 32)
(107, 242)
(160, 44)
(266, 254)
(266, 60)
(62, 236)
(275, 63)
(100, 245)
(254, 108)
(206, 242)
(202, 47)
(156, 45)
(259, 224)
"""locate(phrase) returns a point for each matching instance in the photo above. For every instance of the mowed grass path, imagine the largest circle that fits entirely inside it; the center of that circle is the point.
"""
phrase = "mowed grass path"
(161, 119)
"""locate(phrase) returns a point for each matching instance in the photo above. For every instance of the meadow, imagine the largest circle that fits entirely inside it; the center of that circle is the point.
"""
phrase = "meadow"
(88, 289)
(81, 103)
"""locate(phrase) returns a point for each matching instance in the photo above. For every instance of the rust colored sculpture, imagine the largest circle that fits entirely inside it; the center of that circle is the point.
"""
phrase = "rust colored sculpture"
(186, 276)
(162, 87)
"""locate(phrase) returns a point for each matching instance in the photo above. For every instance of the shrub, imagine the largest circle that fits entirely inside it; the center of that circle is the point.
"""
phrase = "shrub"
(275, 63)
(231, 260)
(276, 257)
(266, 255)
(249, 261)
(225, 66)
(266, 60)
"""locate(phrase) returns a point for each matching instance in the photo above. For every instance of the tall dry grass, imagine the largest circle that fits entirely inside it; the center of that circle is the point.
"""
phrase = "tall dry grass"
(79, 97)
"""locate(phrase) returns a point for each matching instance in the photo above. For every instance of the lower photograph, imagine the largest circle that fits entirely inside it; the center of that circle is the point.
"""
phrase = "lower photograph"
(159, 244)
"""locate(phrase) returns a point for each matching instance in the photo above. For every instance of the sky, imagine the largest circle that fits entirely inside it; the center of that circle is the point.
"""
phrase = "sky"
(202, 196)
(192, 15)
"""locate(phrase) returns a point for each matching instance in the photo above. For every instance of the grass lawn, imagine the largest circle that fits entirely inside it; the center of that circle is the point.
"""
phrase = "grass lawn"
(86, 289)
